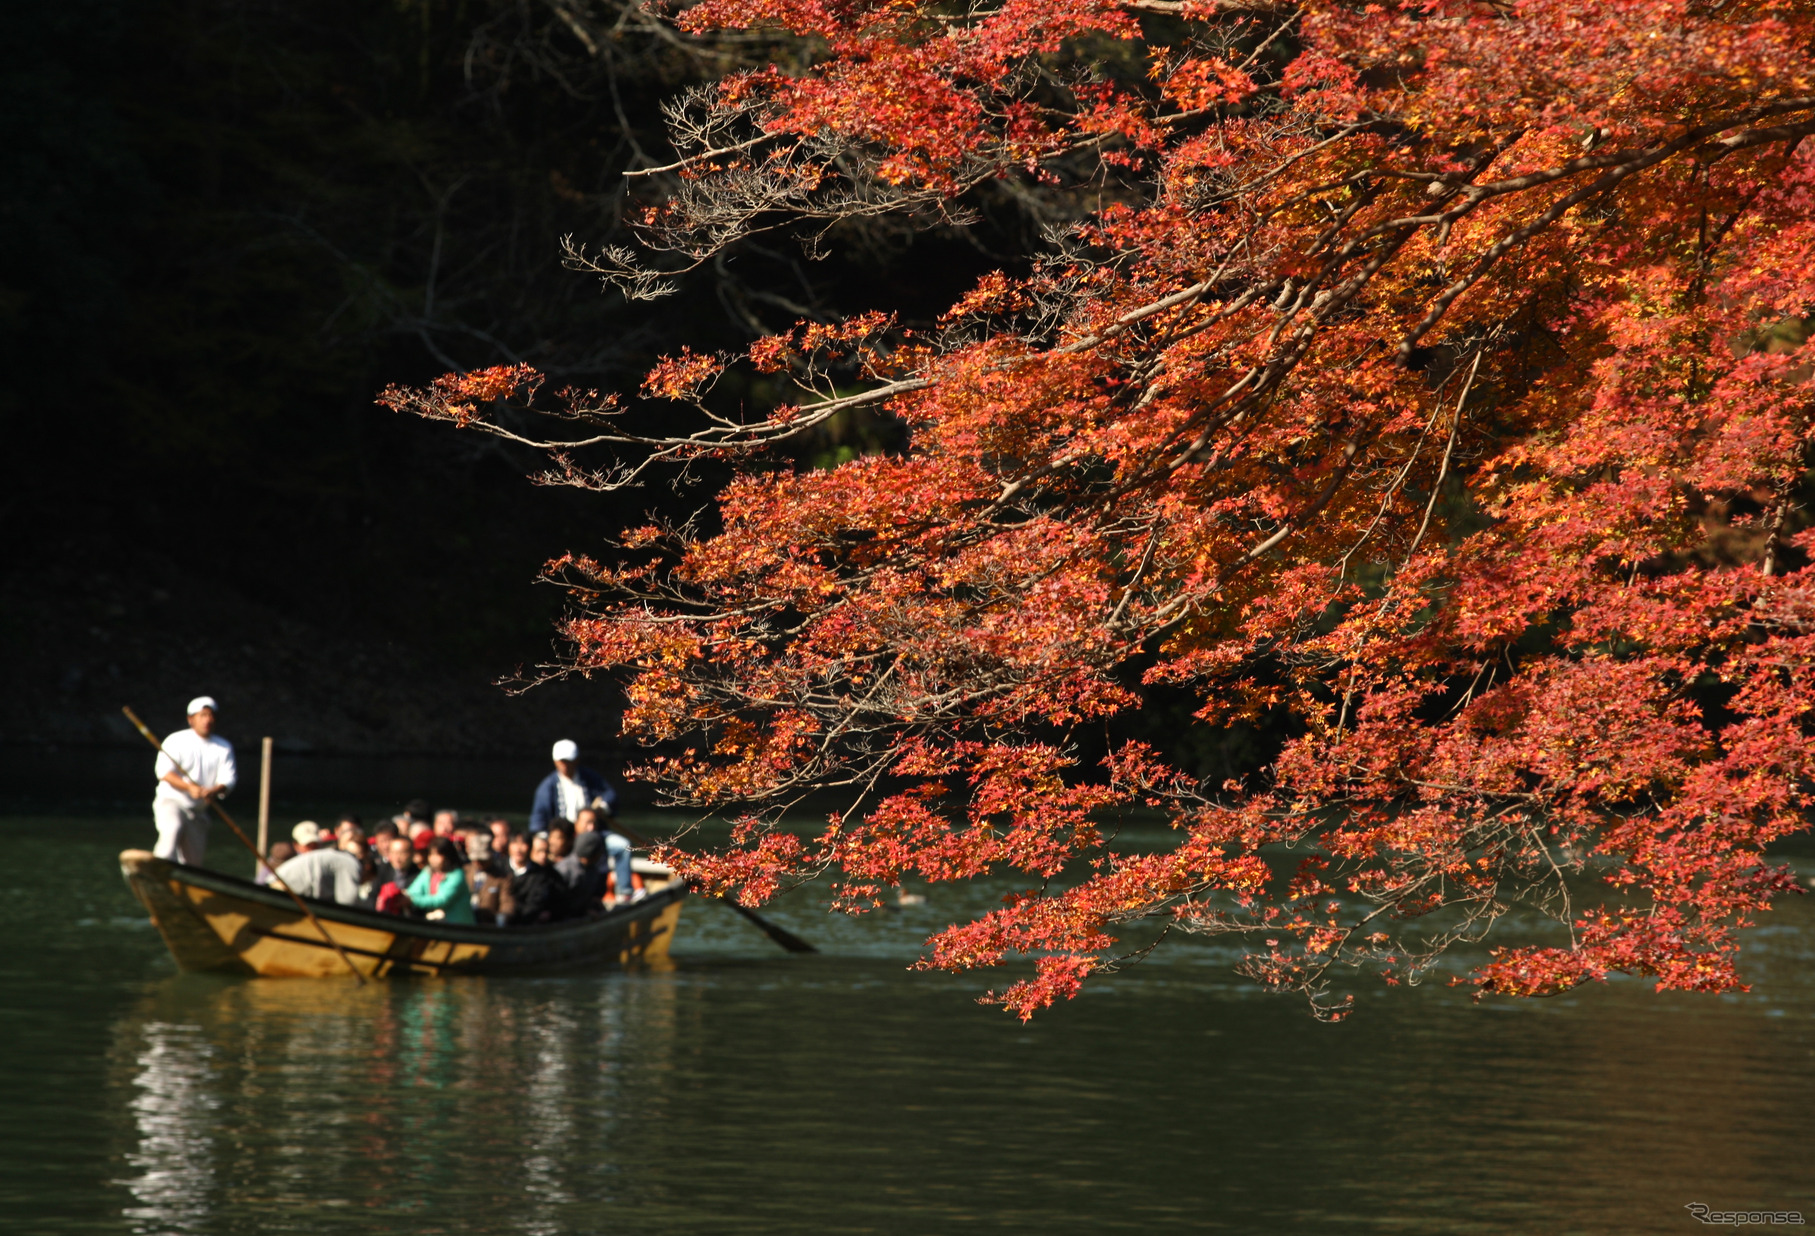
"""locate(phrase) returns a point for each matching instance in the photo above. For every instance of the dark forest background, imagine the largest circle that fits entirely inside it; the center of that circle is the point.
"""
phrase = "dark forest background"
(225, 225)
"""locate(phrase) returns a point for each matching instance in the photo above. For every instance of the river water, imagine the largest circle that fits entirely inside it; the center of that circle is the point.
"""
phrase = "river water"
(746, 1090)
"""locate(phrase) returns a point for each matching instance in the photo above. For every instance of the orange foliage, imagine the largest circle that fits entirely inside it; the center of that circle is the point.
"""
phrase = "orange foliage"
(1442, 390)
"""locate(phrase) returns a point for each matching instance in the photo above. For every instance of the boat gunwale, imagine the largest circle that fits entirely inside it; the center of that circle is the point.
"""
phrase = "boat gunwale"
(468, 933)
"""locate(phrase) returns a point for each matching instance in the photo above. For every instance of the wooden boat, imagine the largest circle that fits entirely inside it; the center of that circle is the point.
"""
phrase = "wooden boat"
(221, 923)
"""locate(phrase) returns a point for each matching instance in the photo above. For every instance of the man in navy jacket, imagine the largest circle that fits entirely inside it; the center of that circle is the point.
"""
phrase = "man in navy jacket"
(569, 788)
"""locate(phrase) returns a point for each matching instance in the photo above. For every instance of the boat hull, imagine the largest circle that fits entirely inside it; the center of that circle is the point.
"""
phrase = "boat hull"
(214, 922)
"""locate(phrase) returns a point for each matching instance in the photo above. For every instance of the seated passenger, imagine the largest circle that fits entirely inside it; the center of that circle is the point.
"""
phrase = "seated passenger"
(486, 874)
(322, 873)
(447, 822)
(500, 830)
(617, 851)
(399, 863)
(280, 853)
(534, 893)
(348, 831)
(369, 883)
(538, 849)
(421, 833)
(560, 841)
(441, 893)
(585, 881)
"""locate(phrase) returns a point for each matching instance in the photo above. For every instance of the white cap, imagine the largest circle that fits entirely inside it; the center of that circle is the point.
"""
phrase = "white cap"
(306, 834)
(200, 702)
(566, 749)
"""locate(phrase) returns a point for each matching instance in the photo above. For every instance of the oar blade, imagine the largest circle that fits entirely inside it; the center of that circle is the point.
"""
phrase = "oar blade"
(775, 931)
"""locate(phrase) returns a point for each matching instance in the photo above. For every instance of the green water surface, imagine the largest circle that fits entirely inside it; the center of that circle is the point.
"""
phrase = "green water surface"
(751, 1091)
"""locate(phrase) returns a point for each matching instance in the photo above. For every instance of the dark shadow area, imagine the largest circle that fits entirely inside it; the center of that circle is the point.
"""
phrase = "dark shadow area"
(224, 228)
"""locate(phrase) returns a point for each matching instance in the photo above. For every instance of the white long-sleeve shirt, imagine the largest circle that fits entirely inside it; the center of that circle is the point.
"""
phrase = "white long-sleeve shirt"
(205, 761)
(572, 796)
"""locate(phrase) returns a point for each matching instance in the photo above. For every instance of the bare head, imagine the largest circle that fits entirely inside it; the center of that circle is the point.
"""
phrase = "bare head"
(587, 847)
(443, 856)
(401, 853)
(538, 848)
(560, 841)
(447, 821)
(586, 820)
(500, 835)
(520, 851)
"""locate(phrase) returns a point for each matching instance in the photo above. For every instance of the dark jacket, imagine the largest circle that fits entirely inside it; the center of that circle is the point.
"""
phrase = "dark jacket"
(536, 892)
(547, 807)
(383, 873)
(585, 886)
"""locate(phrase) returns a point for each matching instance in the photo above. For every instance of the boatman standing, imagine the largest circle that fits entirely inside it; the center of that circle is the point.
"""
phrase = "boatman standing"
(193, 770)
(568, 789)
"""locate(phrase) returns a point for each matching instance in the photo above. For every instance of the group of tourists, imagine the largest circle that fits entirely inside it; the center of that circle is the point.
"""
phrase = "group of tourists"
(439, 867)
(422, 862)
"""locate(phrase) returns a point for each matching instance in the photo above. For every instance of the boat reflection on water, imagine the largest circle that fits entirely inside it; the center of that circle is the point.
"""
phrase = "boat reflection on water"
(506, 1094)
(174, 1115)
(765, 1095)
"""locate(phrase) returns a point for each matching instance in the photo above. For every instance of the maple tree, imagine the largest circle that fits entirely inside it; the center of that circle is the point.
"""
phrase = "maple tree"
(1430, 371)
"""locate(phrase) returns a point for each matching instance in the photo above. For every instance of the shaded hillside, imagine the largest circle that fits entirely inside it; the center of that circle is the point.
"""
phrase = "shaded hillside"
(227, 225)
(77, 642)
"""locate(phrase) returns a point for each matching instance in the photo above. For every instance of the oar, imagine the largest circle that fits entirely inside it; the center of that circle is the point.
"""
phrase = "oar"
(246, 841)
(781, 935)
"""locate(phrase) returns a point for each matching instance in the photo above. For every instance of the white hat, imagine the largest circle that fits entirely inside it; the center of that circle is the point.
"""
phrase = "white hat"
(200, 702)
(566, 749)
(306, 834)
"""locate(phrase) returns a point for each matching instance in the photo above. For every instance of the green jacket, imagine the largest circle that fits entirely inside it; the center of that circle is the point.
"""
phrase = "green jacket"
(455, 899)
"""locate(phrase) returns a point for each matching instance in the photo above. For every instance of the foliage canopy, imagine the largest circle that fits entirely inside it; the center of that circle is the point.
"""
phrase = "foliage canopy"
(1428, 370)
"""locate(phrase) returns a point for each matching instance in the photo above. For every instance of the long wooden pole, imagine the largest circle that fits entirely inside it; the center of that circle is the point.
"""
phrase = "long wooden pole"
(247, 842)
(775, 931)
(264, 807)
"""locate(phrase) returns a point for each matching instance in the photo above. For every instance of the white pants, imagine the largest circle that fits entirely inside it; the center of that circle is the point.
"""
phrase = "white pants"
(182, 830)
